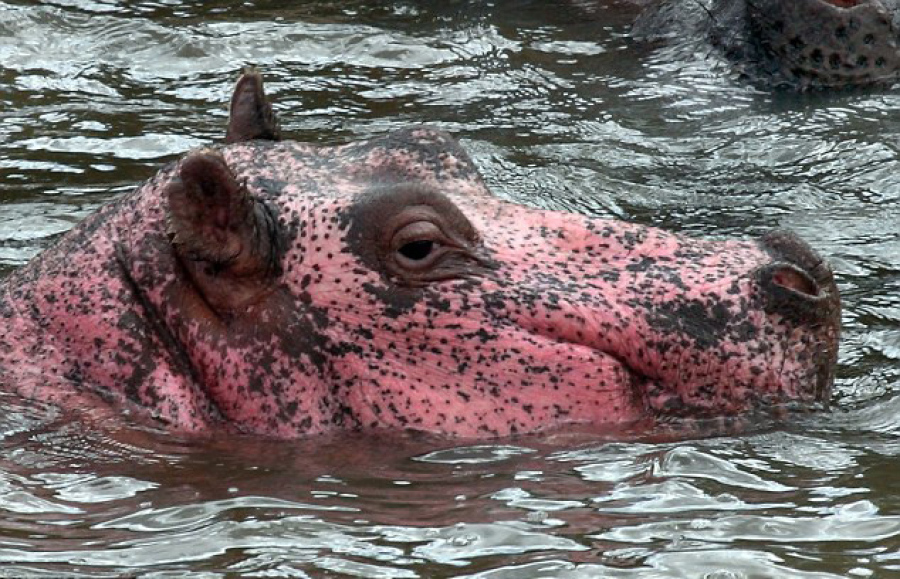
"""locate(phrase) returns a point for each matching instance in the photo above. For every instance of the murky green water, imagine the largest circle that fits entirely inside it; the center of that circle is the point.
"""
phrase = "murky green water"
(559, 109)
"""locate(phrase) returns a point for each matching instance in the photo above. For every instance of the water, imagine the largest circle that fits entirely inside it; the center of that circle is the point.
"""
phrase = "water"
(559, 109)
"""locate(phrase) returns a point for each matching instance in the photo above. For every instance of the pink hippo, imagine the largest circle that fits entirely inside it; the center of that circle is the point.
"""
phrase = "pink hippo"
(286, 289)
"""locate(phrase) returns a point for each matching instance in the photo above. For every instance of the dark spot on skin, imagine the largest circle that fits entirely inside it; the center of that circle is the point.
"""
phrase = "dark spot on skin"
(641, 265)
(704, 324)
(268, 187)
(74, 375)
(397, 302)
(817, 57)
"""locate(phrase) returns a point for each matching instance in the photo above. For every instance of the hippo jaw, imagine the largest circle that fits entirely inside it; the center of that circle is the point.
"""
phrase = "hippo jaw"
(828, 43)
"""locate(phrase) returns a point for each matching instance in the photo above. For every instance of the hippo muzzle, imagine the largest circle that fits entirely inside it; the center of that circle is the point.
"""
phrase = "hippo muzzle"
(284, 289)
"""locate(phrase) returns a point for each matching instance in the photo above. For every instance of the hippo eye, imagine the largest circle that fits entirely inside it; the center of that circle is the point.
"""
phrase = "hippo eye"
(423, 243)
(417, 250)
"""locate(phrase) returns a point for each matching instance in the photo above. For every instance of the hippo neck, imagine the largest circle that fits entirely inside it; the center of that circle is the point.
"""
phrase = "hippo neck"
(84, 319)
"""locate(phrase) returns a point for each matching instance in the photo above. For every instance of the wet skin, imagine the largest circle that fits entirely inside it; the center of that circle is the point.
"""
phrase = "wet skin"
(799, 44)
(284, 289)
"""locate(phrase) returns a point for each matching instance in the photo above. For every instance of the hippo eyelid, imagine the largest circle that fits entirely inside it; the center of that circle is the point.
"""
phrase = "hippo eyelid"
(418, 245)
(421, 230)
(416, 231)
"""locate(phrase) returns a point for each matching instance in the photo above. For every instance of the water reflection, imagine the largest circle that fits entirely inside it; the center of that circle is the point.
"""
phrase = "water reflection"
(390, 509)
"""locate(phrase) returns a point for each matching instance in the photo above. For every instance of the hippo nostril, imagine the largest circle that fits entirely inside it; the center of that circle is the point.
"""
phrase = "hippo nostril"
(789, 277)
(785, 246)
(793, 293)
(799, 284)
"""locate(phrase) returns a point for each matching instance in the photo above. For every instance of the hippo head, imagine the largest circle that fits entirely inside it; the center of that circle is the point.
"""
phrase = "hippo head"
(829, 43)
(280, 288)
(380, 285)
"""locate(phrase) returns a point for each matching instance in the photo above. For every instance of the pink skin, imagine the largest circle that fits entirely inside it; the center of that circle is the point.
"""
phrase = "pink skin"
(529, 320)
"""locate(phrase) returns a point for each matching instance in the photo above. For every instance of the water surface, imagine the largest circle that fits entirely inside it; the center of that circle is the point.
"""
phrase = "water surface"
(560, 109)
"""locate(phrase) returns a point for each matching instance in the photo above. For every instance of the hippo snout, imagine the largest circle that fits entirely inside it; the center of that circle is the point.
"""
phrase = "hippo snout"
(800, 287)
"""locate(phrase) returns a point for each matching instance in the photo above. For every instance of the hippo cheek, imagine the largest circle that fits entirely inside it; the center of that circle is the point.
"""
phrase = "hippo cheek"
(501, 367)
(475, 377)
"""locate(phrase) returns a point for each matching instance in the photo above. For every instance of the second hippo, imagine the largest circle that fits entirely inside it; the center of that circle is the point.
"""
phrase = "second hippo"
(799, 44)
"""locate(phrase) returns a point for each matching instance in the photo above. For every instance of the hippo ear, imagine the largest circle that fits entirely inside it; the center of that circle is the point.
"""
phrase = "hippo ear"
(251, 115)
(225, 237)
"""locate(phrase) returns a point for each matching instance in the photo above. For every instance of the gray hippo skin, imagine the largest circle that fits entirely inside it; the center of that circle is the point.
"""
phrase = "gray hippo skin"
(284, 289)
(799, 44)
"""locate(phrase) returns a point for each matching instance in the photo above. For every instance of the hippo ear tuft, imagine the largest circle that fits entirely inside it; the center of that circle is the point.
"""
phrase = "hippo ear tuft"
(251, 115)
